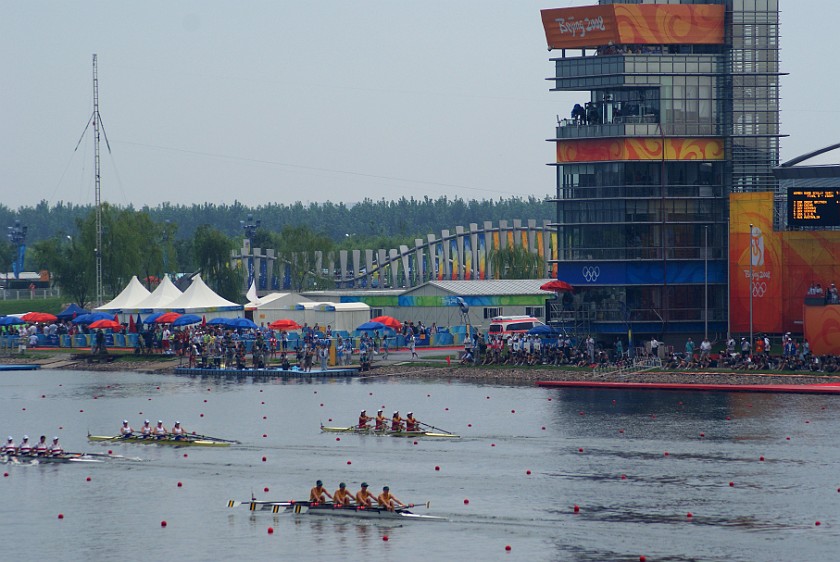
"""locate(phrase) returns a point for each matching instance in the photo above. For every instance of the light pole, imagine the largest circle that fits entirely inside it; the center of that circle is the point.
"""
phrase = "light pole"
(751, 288)
(706, 282)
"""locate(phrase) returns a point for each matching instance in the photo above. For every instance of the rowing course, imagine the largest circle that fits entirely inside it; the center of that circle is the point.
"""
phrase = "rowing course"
(19, 367)
(577, 444)
(338, 372)
(827, 388)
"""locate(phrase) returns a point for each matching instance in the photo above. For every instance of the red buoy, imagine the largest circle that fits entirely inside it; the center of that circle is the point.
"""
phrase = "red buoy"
(61, 516)
(642, 559)
(110, 452)
(702, 435)
(689, 515)
(437, 468)
(507, 547)
(337, 438)
(817, 523)
(263, 459)
(87, 479)
(543, 428)
(163, 523)
(624, 477)
(492, 444)
(415, 442)
(349, 462)
(180, 484)
(271, 530)
(265, 489)
(528, 472)
(513, 411)
(466, 501)
(201, 415)
(666, 453)
(576, 509)
(385, 538)
(328, 419)
(580, 450)
(761, 458)
(731, 484)
(469, 425)
(6, 475)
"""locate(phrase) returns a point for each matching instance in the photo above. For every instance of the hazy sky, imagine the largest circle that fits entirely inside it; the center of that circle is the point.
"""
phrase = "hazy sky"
(267, 101)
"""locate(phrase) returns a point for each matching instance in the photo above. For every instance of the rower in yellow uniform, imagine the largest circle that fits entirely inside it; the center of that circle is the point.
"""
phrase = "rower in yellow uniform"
(388, 501)
(396, 422)
(319, 494)
(364, 497)
(411, 423)
(364, 419)
(381, 421)
(342, 496)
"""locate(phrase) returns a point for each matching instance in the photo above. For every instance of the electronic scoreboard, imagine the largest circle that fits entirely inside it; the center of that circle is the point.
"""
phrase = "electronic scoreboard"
(808, 206)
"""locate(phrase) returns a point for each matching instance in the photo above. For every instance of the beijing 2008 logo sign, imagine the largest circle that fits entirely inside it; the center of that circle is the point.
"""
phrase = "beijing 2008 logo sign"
(760, 282)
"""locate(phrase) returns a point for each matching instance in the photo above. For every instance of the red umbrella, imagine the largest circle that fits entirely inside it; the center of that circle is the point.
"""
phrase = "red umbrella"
(556, 285)
(132, 327)
(112, 324)
(35, 317)
(167, 318)
(389, 321)
(284, 324)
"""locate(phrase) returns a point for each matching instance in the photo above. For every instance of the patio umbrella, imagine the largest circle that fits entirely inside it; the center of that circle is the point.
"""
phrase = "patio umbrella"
(543, 330)
(284, 324)
(557, 286)
(11, 321)
(167, 318)
(35, 317)
(186, 320)
(71, 312)
(92, 317)
(241, 323)
(389, 321)
(151, 318)
(106, 324)
(371, 326)
(218, 321)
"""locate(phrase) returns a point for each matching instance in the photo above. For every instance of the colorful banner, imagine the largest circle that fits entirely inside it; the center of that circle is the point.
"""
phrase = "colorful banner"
(468, 258)
(455, 258)
(602, 150)
(482, 255)
(626, 24)
(756, 251)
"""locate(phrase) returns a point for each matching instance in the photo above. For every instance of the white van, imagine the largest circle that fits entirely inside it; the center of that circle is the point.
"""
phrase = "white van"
(505, 325)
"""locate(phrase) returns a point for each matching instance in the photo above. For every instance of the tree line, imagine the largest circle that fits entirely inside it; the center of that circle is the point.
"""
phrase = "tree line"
(152, 241)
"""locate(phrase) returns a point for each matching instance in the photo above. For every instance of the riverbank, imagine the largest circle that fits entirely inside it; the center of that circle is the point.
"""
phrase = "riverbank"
(438, 369)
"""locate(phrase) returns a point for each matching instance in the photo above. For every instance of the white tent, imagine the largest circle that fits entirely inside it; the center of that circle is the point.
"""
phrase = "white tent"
(339, 316)
(199, 298)
(275, 306)
(133, 294)
(165, 293)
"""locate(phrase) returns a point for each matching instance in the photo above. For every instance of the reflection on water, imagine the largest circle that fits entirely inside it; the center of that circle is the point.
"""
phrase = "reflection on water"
(603, 450)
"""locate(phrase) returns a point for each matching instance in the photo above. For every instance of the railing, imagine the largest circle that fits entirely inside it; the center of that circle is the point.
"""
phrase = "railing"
(29, 294)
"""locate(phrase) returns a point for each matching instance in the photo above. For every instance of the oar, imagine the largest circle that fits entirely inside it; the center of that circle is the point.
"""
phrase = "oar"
(208, 438)
(435, 428)
(410, 505)
(235, 503)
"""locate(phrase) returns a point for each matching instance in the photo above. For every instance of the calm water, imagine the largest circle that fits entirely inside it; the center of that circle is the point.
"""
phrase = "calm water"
(768, 514)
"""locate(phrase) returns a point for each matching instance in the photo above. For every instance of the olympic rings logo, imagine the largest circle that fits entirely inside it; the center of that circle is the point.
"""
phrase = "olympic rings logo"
(591, 273)
(759, 289)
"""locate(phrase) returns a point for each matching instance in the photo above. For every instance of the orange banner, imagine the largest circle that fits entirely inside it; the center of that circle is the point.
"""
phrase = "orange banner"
(599, 150)
(624, 24)
(756, 251)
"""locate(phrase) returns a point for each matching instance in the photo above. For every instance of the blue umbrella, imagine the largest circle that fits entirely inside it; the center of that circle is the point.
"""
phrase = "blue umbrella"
(71, 312)
(218, 321)
(371, 326)
(241, 323)
(92, 317)
(150, 319)
(543, 330)
(10, 321)
(186, 320)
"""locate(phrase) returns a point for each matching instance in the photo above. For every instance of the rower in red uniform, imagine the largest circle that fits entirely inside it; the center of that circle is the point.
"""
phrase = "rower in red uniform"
(364, 419)
(396, 422)
(318, 494)
(381, 421)
(363, 497)
(55, 448)
(10, 448)
(386, 500)
(25, 446)
(41, 447)
(411, 423)
(342, 496)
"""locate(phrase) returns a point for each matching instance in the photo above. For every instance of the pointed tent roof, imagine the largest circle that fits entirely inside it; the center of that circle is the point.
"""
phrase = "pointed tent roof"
(200, 298)
(160, 298)
(133, 293)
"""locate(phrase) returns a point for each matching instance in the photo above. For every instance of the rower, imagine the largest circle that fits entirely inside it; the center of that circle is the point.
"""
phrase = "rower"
(146, 430)
(55, 447)
(386, 500)
(396, 422)
(178, 431)
(364, 419)
(342, 496)
(41, 447)
(10, 448)
(125, 430)
(381, 421)
(25, 446)
(364, 497)
(411, 423)
(317, 493)
(159, 430)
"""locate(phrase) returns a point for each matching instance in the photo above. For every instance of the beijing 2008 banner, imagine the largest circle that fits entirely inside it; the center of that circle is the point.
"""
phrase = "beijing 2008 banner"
(755, 250)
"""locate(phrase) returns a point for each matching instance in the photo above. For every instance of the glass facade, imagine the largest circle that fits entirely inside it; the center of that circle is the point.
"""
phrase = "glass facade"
(642, 221)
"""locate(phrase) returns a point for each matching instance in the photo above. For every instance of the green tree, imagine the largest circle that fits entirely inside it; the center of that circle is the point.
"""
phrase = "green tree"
(70, 264)
(212, 254)
(516, 263)
(7, 255)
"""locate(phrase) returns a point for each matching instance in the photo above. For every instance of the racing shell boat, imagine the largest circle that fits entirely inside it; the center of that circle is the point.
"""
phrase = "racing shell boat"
(336, 510)
(388, 432)
(176, 441)
(6, 458)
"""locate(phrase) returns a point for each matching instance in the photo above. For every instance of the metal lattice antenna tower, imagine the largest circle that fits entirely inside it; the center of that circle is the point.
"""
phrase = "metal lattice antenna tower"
(98, 249)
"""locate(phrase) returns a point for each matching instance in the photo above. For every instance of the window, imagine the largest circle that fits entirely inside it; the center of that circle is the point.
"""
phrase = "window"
(535, 311)
(492, 312)
(374, 312)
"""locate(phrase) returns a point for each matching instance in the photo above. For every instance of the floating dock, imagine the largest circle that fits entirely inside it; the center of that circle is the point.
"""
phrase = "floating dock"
(337, 372)
(823, 388)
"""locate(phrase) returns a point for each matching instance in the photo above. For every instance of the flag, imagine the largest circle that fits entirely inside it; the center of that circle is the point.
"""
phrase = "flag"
(203, 320)
(132, 327)
(252, 292)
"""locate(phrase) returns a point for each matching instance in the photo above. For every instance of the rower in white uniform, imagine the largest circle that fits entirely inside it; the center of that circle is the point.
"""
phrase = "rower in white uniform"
(159, 430)
(25, 446)
(178, 431)
(146, 429)
(125, 430)
(10, 448)
(41, 447)
(55, 447)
